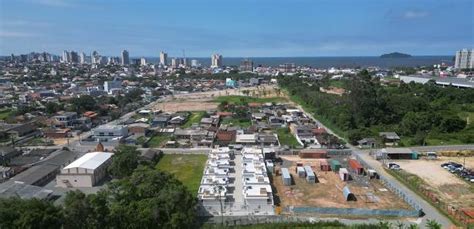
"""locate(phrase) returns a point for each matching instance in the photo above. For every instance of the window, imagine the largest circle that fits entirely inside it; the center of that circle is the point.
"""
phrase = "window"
(111, 134)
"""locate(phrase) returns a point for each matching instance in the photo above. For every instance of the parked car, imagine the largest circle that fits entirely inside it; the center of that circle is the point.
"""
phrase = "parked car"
(394, 166)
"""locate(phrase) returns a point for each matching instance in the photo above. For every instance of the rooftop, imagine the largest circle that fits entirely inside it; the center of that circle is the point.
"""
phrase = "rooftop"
(90, 160)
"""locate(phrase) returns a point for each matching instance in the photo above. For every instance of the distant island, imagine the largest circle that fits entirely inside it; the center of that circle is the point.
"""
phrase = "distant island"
(395, 55)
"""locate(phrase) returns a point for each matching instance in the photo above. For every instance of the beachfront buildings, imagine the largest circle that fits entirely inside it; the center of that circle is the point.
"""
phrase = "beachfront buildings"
(464, 59)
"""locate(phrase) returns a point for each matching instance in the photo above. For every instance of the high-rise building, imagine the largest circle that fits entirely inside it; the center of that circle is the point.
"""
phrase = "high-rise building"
(65, 58)
(195, 63)
(174, 62)
(464, 59)
(143, 61)
(125, 58)
(82, 58)
(216, 61)
(74, 57)
(246, 65)
(95, 57)
(287, 68)
(163, 58)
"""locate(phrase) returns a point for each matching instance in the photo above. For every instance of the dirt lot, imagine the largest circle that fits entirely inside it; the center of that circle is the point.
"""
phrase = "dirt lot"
(327, 192)
(186, 106)
(449, 187)
(203, 101)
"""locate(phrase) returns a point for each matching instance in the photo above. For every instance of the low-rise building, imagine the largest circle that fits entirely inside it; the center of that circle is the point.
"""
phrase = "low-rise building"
(86, 171)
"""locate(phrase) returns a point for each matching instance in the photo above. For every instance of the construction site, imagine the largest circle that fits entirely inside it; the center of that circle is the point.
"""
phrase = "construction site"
(339, 183)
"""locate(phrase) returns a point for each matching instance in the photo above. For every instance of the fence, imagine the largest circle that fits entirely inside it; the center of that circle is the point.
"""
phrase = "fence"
(411, 200)
(432, 197)
(356, 211)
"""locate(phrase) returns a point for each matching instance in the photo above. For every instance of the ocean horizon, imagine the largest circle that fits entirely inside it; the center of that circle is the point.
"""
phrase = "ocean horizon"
(327, 62)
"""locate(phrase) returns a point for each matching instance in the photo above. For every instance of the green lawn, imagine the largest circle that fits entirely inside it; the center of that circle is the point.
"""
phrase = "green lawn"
(286, 138)
(239, 100)
(187, 168)
(5, 113)
(158, 140)
(242, 122)
(195, 117)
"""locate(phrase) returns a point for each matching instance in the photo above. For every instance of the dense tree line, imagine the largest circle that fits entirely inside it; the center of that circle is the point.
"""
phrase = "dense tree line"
(143, 198)
(412, 110)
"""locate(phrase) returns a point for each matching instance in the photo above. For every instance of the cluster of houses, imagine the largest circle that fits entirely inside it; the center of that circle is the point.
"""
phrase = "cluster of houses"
(237, 180)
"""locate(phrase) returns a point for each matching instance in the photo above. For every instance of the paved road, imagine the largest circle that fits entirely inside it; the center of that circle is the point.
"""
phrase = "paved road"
(430, 211)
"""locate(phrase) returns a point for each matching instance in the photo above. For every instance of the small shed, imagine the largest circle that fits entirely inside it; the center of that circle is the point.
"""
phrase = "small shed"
(310, 176)
(373, 174)
(356, 166)
(300, 171)
(344, 174)
(313, 153)
(335, 165)
(348, 195)
(285, 176)
(324, 165)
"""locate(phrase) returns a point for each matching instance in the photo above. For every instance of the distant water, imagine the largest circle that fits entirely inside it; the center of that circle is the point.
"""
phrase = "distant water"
(327, 62)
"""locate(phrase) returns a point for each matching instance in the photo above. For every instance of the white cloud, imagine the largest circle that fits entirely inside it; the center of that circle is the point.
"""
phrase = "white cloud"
(15, 34)
(411, 14)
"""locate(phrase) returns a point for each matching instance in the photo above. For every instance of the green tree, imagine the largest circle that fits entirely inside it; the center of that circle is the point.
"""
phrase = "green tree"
(34, 213)
(151, 199)
(124, 161)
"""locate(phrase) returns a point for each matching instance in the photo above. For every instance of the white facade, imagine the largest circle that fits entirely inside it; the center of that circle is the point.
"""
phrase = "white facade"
(86, 171)
(464, 59)
(110, 132)
(142, 61)
(216, 61)
(163, 58)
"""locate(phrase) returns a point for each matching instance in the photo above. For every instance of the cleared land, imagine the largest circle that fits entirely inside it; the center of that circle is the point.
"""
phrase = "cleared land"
(195, 117)
(176, 106)
(327, 191)
(286, 138)
(186, 168)
(240, 100)
(201, 101)
(448, 187)
(242, 122)
(158, 140)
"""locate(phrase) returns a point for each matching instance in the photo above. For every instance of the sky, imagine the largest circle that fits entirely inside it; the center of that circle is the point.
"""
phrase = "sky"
(237, 28)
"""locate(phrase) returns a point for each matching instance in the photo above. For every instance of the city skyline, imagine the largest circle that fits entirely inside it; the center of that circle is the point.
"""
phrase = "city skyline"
(280, 29)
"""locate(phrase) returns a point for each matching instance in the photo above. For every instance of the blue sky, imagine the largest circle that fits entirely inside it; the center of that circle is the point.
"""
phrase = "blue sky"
(243, 28)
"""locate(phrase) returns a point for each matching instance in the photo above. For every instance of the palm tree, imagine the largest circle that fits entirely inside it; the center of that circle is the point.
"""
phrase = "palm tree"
(432, 224)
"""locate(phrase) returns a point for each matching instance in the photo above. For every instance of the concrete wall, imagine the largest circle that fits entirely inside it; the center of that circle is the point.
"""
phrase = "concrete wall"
(73, 181)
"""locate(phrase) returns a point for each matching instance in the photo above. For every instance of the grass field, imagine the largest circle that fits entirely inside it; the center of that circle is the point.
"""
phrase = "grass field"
(286, 138)
(5, 113)
(239, 100)
(187, 168)
(195, 117)
(242, 122)
(158, 140)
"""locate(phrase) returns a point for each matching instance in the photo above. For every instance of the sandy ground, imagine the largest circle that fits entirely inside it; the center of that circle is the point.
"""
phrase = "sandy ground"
(327, 192)
(186, 106)
(432, 172)
(202, 101)
(450, 188)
